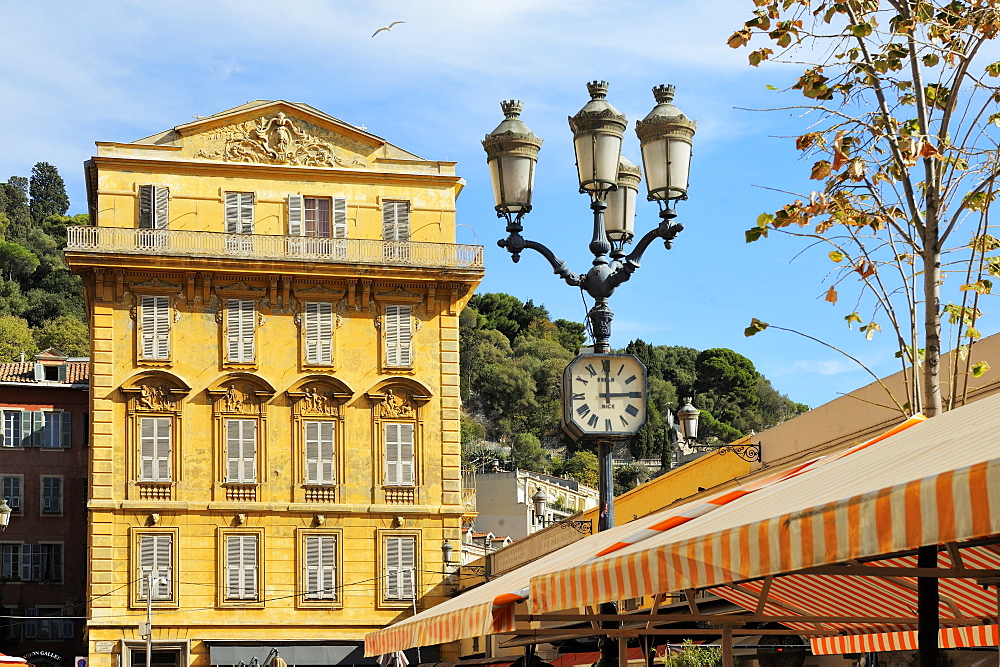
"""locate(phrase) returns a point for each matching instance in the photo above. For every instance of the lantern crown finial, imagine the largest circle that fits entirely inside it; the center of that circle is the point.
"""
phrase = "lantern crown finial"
(511, 108)
(598, 89)
(664, 94)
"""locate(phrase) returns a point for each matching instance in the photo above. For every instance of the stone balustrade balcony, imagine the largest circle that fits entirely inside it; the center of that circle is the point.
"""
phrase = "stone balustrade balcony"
(180, 243)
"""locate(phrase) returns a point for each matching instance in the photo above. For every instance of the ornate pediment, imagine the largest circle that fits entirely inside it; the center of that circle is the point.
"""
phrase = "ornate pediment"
(280, 139)
(395, 404)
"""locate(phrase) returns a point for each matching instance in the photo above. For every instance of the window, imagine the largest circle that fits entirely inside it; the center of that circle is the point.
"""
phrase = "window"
(239, 212)
(400, 567)
(154, 325)
(319, 452)
(31, 562)
(154, 449)
(52, 495)
(47, 624)
(12, 490)
(398, 336)
(320, 567)
(241, 451)
(395, 220)
(154, 201)
(12, 428)
(398, 454)
(241, 324)
(322, 217)
(318, 325)
(241, 567)
(56, 430)
(156, 559)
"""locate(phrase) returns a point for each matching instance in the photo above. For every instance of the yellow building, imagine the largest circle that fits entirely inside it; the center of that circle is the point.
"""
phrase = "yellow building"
(273, 298)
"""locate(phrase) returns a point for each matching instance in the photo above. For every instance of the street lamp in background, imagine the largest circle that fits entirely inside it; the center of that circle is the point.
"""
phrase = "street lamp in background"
(4, 514)
(604, 395)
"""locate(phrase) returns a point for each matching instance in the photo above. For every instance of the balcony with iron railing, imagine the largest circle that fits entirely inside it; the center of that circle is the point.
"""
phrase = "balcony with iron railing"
(177, 243)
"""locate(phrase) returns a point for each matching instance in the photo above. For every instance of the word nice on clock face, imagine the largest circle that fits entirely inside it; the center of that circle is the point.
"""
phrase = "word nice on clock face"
(604, 396)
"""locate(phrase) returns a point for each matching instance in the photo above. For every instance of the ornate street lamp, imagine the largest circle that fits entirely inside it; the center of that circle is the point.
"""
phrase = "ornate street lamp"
(688, 416)
(604, 395)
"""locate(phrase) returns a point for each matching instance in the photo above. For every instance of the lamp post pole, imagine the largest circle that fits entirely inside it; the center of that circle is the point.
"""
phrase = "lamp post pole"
(611, 182)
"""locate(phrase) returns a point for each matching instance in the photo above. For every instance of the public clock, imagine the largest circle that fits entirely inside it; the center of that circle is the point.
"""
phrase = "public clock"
(604, 396)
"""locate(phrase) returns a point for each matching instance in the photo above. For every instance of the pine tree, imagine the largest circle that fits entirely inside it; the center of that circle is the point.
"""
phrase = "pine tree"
(48, 192)
(16, 208)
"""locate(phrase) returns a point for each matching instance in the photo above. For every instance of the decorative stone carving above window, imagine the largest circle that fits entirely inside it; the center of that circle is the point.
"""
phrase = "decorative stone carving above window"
(277, 140)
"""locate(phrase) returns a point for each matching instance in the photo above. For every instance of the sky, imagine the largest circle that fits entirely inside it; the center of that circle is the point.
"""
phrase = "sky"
(79, 72)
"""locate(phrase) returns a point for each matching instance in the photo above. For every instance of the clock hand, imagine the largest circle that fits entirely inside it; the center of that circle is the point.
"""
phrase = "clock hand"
(626, 394)
(607, 382)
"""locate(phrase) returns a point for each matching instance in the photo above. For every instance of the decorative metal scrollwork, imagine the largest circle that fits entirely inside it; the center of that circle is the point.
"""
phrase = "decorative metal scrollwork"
(749, 453)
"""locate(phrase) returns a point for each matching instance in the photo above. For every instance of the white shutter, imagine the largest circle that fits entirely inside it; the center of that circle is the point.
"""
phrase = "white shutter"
(246, 212)
(155, 322)
(321, 567)
(395, 221)
(37, 428)
(155, 552)
(295, 207)
(241, 327)
(319, 332)
(405, 454)
(400, 565)
(154, 454)
(312, 452)
(232, 212)
(312, 568)
(391, 454)
(398, 336)
(241, 450)
(161, 202)
(241, 567)
(339, 217)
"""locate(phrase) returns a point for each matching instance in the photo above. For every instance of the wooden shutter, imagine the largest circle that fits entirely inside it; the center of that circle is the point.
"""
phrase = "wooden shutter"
(239, 212)
(295, 206)
(395, 221)
(312, 452)
(241, 567)
(62, 373)
(400, 565)
(39, 372)
(340, 217)
(240, 330)
(154, 449)
(161, 202)
(146, 206)
(155, 555)
(241, 450)
(321, 567)
(398, 336)
(155, 323)
(66, 429)
(37, 428)
(319, 332)
(398, 454)
(319, 452)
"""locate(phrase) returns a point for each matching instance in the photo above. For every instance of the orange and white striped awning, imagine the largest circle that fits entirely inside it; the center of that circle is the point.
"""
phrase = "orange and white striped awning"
(973, 635)
(933, 483)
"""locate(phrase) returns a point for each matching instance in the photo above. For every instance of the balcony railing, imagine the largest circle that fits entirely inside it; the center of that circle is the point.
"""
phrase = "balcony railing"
(260, 247)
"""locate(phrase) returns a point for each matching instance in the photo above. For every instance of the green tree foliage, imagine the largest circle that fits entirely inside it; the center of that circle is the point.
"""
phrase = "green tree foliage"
(527, 453)
(15, 339)
(629, 476)
(694, 655)
(900, 97)
(47, 192)
(66, 333)
(581, 466)
(36, 284)
(507, 314)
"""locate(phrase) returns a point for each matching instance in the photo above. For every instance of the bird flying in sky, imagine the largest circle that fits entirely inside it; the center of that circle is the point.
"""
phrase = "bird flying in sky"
(387, 28)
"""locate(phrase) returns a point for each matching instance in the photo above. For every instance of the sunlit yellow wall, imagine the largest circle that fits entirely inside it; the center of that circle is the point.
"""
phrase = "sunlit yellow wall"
(706, 472)
(197, 508)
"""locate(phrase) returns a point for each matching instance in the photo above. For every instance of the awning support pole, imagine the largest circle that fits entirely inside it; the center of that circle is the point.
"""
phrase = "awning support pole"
(927, 608)
(727, 645)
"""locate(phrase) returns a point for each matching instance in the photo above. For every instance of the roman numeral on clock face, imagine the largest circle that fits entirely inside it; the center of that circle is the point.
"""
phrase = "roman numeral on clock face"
(583, 410)
(577, 397)
(632, 410)
(592, 422)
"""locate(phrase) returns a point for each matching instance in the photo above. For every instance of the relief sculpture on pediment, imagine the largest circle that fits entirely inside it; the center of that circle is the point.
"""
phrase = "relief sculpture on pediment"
(277, 140)
(155, 398)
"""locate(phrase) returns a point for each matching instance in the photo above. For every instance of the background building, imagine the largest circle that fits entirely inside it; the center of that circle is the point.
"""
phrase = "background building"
(43, 477)
(504, 506)
(273, 298)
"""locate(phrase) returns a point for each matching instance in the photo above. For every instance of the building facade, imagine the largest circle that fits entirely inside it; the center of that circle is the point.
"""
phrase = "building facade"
(43, 478)
(273, 298)
(504, 501)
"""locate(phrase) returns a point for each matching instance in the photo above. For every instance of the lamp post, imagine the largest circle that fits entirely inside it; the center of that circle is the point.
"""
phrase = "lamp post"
(5, 511)
(688, 416)
(611, 182)
(540, 501)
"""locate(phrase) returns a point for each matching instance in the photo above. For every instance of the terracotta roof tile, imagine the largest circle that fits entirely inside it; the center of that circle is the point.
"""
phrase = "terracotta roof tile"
(77, 372)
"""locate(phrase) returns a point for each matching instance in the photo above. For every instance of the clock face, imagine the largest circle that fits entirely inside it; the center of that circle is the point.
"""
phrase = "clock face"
(604, 396)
